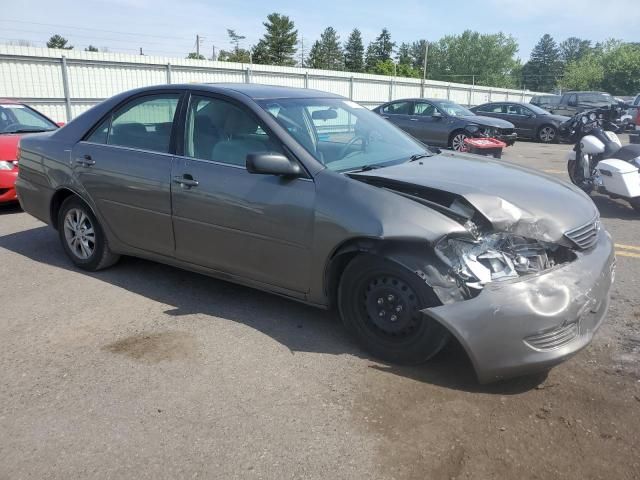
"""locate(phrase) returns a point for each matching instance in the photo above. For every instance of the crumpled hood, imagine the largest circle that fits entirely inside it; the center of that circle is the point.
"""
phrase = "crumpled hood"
(512, 198)
(489, 121)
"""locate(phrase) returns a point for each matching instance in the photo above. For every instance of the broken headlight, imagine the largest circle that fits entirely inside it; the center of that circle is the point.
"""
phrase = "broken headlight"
(498, 256)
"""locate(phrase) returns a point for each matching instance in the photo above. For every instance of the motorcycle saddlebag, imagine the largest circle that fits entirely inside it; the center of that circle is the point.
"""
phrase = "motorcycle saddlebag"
(620, 177)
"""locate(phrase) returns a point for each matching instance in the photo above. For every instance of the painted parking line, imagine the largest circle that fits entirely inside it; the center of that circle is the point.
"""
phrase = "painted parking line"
(622, 253)
(627, 247)
(627, 250)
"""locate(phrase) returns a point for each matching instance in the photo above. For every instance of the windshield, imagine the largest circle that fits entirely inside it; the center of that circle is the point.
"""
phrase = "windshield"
(537, 110)
(16, 118)
(453, 109)
(343, 135)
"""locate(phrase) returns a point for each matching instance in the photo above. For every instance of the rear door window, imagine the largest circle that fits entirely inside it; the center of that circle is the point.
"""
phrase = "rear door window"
(144, 123)
(397, 108)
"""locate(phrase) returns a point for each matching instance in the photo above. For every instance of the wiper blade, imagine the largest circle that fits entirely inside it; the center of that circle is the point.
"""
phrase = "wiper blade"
(366, 168)
(418, 156)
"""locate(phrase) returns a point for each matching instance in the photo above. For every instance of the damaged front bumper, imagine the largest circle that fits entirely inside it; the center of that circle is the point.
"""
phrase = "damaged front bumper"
(528, 324)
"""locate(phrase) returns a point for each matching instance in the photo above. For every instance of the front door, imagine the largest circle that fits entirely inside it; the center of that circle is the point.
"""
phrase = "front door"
(429, 125)
(125, 166)
(257, 227)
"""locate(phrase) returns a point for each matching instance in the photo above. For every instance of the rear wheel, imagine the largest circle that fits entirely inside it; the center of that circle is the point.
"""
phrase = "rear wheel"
(82, 236)
(456, 142)
(547, 134)
(380, 303)
(635, 203)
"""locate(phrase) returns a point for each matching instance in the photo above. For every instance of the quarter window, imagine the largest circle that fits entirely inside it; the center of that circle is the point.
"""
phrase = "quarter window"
(220, 131)
(144, 123)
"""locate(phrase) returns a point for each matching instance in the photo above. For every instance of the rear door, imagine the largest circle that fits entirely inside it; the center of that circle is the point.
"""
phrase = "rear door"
(521, 117)
(125, 166)
(256, 227)
(399, 113)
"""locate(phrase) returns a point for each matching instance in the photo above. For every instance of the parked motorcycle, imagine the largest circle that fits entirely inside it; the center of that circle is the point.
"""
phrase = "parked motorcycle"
(598, 161)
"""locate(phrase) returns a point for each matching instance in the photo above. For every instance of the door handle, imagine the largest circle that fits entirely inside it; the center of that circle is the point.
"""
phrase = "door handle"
(185, 181)
(413, 119)
(85, 161)
(384, 116)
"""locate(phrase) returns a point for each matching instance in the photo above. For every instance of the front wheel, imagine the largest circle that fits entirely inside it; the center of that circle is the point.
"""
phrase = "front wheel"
(586, 187)
(457, 142)
(380, 303)
(547, 134)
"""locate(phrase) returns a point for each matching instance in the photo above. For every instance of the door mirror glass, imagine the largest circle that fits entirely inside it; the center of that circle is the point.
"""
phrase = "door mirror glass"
(272, 164)
(436, 114)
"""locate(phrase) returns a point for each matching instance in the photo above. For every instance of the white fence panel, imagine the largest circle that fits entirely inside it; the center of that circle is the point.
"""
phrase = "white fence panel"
(64, 83)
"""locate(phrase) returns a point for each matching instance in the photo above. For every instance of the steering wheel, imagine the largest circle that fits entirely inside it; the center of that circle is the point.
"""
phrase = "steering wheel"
(344, 150)
(9, 127)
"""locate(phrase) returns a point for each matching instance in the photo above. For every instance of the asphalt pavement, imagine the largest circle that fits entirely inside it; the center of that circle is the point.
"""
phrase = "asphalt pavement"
(146, 371)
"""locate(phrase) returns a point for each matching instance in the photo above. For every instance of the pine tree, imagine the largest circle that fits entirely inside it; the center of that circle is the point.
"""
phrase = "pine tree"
(384, 46)
(278, 46)
(58, 41)
(404, 54)
(354, 52)
(371, 57)
(574, 49)
(544, 67)
(327, 52)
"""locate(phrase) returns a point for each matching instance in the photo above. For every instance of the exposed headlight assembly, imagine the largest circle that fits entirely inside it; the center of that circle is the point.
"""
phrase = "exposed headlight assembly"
(497, 257)
(6, 165)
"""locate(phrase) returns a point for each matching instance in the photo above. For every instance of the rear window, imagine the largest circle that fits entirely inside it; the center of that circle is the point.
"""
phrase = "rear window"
(595, 97)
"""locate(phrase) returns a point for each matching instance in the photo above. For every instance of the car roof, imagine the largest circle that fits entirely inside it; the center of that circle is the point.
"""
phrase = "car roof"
(262, 92)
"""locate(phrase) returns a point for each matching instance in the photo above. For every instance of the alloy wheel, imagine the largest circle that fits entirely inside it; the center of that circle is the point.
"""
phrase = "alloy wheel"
(457, 143)
(79, 233)
(547, 134)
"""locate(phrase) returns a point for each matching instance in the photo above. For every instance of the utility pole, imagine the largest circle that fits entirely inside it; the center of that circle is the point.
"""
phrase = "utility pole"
(424, 67)
(199, 41)
(141, 51)
(302, 51)
(213, 53)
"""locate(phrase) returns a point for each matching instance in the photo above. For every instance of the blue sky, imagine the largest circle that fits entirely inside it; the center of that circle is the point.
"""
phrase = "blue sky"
(165, 27)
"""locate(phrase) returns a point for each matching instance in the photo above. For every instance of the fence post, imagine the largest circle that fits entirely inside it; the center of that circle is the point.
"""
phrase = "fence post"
(351, 88)
(247, 75)
(65, 87)
(306, 79)
(391, 89)
(490, 94)
(470, 95)
(422, 88)
(168, 73)
(448, 91)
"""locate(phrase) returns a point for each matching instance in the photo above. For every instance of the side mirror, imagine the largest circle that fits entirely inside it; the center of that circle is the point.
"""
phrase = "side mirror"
(270, 163)
(436, 115)
(60, 124)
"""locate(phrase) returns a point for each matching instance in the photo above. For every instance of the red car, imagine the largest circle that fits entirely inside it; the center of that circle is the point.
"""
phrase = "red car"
(16, 120)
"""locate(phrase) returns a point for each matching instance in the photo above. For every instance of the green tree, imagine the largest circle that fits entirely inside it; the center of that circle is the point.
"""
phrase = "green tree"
(586, 73)
(370, 57)
(195, 56)
(327, 52)
(91, 48)
(354, 52)
(57, 41)
(544, 67)
(278, 46)
(573, 49)
(487, 58)
(621, 66)
(237, 54)
(417, 51)
(384, 46)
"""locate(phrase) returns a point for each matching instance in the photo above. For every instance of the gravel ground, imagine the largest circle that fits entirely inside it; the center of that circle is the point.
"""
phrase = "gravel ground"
(146, 371)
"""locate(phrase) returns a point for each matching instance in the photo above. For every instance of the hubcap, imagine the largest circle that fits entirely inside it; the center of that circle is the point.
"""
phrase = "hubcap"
(458, 143)
(79, 233)
(391, 306)
(547, 134)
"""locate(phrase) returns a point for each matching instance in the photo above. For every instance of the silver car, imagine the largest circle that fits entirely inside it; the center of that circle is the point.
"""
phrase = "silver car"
(311, 196)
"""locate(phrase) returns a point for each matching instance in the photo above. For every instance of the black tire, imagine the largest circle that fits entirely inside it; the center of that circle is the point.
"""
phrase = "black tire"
(571, 166)
(547, 134)
(456, 139)
(365, 290)
(94, 253)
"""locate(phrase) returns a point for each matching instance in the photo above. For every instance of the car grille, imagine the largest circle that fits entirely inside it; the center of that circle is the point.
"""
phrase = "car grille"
(506, 131)
(586, 235)
(555, 338)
